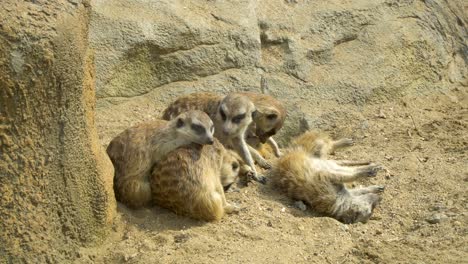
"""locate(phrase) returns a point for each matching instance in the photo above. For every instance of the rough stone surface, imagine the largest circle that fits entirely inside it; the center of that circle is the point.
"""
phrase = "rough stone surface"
(316, 55)
(55, 180)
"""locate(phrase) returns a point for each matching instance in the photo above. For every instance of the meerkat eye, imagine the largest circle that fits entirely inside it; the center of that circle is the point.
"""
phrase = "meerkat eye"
(237, 119)
(272, 116)
(223, 115)
(235, 166)
(198, 129)
(180, 123)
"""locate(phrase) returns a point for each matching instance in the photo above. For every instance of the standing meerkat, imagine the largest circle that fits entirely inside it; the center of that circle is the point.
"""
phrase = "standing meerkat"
(318, 144)
(320, 184)
(232, 116)
(134, 151)
(189, 181)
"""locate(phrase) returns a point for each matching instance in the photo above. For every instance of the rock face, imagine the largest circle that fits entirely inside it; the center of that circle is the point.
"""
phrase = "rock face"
(317, 56)
(55, 179)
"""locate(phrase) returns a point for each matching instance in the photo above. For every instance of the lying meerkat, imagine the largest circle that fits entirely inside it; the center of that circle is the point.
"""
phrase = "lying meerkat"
(318, 144)
(232, 116)
(189, 181)
(134, 151)
(320, 184)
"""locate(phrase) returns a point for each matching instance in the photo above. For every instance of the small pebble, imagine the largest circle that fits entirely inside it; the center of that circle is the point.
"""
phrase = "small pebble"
(436, 218)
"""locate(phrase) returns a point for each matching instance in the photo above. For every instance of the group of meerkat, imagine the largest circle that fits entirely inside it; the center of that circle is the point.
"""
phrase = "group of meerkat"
(203, 142)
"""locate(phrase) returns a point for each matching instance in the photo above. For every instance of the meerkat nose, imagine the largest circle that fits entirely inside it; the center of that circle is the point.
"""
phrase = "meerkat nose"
(210, 141)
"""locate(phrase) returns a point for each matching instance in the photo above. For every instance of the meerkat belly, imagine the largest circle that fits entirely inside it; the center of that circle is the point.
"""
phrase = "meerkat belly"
(324, 165)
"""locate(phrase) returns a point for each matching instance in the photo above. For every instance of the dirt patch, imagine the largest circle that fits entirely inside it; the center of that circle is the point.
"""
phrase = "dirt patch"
(421, 140)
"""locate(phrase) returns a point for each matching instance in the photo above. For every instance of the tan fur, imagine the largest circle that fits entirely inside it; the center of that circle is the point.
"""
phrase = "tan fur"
(230, 133)
(188, 181)
(203, 101)
(134, 151)
(319, 144)
(270, 115)
(320, 184)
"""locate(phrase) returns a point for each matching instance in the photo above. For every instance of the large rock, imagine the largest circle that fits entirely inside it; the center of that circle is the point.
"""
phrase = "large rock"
(55, 179)
(318, 56)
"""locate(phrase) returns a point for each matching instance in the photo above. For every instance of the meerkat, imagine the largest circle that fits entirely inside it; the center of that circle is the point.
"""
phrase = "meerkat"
(318, 144)
(268, 119)
(134, 151)
(203, 101)
(189, 181)
(320, 184)
(232, 116)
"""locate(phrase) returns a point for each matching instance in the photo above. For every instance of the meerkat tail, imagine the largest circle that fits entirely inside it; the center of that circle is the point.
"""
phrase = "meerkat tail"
(209, 207)
(133, 192)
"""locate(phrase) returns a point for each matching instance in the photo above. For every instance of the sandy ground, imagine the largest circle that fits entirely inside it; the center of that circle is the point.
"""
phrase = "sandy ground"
(421, 140)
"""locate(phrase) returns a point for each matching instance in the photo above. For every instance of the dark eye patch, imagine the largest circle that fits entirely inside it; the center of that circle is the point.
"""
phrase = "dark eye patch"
(180, 123)
(198, 129)
(223, 115)
(235, 165)
(238, 118)
(272, 116)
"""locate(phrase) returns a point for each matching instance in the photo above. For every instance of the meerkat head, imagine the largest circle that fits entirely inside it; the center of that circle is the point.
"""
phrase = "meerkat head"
(361, 210)
(194, 126)
(230, 168)
(235, 112)
(268, 121)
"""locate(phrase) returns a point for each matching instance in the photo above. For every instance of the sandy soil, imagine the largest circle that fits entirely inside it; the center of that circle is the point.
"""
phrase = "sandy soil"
(421, 140)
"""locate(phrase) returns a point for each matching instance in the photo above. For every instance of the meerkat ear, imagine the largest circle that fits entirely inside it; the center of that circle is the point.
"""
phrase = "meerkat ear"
(180, 123)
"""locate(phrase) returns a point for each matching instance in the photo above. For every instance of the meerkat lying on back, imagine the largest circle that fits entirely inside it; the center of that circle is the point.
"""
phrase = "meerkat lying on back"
(190, 180)
(134, 151)
(320, 184)
(232, 116)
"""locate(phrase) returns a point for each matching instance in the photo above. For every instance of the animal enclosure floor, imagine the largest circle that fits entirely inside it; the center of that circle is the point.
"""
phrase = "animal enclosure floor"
(422, 141)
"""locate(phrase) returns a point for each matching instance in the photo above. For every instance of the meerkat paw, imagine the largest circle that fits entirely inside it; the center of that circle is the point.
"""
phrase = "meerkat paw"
(264, 164)
(379, 188)
(372, 169)
(231, 209)
(347, 142)
(260, 178)
(232, 189)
